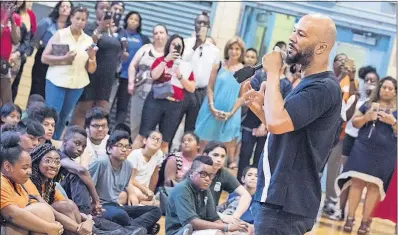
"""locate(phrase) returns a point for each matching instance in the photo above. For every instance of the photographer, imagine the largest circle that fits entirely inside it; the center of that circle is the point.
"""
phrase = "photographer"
(9, 35)
(164, 103)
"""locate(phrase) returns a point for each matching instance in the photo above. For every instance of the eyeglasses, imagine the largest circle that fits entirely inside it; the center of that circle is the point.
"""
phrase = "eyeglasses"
(204, 174)
(122, 146)
(157, 140)
(96, 126)
(49, 161)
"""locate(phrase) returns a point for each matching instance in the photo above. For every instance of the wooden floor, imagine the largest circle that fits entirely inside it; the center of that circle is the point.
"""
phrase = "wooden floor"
(322, 227)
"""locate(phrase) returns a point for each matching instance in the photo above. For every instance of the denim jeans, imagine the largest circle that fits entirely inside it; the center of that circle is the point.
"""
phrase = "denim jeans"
(143, 216)
(272, 221)
(63, 100)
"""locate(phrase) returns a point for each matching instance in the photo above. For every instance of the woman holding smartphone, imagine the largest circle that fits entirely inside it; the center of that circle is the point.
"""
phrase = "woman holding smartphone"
(110, 50)
(67, 74)
(135, 40)
(373, 157)
(163, 105)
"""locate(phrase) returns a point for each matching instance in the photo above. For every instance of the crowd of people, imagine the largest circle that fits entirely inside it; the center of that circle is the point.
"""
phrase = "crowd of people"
(66, 170)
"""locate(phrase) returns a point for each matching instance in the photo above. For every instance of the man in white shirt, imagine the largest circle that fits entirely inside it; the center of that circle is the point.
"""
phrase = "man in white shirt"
(202, 54)
(96, 124)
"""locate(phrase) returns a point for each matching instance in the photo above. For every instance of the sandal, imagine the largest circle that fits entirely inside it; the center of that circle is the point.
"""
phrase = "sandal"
(155, 229)
(364, 228)
(349, 224)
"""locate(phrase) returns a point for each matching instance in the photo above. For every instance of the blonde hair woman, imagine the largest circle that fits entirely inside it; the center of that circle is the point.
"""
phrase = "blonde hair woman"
(219, 117)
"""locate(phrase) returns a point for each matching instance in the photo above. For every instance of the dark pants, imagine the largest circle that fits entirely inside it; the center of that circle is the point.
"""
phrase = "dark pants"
(162, 112)
(123, 99)
(271, 221)
(39, 73)
(143, 216)
(246, 151)
(77, 191)
(191, 106)
(17, 80)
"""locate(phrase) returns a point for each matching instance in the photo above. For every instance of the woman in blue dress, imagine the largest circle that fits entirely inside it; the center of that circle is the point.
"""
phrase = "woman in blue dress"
(219, 117)
(374, 154)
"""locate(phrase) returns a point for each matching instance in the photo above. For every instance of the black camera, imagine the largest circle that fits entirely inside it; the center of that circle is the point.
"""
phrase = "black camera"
(108, 15)
(116, 19)
(178, 48)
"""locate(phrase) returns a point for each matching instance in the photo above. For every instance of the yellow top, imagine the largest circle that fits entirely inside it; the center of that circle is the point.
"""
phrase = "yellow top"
(72, 76)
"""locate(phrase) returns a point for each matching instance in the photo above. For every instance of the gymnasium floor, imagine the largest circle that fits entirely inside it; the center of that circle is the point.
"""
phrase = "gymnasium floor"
(322, 227)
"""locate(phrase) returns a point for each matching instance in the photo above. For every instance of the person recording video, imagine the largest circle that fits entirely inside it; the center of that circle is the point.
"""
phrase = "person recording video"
(300, 127)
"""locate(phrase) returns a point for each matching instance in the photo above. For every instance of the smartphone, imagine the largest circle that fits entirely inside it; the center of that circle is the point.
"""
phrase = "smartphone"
(178, 48)
(108, 15)
(350, 64)
(116, 19)
(375, 107)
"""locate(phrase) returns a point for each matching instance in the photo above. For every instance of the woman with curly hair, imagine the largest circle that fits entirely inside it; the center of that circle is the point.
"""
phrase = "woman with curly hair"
(46, 163)
(22, 212)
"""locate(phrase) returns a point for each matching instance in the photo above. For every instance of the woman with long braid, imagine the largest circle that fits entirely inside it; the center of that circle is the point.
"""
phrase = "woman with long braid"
(45, 172)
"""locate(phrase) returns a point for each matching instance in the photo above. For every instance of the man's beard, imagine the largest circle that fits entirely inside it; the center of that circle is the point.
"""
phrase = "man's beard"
(302, 57)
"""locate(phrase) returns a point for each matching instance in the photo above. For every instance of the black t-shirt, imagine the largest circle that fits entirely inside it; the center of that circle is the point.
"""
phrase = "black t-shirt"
(288, 170)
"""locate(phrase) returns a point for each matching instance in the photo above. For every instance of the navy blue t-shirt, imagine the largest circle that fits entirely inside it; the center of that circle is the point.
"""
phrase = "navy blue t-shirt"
(251, 120)
(288, 170)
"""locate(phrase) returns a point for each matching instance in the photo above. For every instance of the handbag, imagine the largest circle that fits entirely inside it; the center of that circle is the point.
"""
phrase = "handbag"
(162, 90)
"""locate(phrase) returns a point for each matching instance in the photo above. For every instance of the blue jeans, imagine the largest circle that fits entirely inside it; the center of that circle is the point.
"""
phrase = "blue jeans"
(273, 221)
(63, 100)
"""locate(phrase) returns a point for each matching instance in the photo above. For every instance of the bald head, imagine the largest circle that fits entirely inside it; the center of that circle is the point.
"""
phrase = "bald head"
(311, 42)
(322, 27)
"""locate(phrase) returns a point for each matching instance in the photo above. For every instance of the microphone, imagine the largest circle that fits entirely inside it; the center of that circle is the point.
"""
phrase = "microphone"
(247, 72)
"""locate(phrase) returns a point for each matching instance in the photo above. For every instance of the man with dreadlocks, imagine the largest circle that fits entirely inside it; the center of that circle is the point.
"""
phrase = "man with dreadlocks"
(45, 167)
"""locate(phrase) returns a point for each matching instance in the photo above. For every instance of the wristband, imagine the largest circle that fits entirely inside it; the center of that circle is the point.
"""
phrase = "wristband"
(225, 228)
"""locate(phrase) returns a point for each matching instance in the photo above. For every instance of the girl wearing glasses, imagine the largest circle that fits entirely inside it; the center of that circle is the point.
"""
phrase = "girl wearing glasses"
(146, 163)
(21, 212)
(46, 164)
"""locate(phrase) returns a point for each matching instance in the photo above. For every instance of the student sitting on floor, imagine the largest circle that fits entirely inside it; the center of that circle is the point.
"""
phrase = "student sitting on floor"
(249, 180)
(21, 212)
(146, 163)
(111, 175)
(77, 181)
(47, 117)
(45, 166)
(190, 205)
(225, 181)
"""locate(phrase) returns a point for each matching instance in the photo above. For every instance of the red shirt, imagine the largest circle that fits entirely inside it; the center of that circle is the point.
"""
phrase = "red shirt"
(5, 38)
(168, 75)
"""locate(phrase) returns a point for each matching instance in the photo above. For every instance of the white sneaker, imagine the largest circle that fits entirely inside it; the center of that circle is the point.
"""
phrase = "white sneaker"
(337, 215)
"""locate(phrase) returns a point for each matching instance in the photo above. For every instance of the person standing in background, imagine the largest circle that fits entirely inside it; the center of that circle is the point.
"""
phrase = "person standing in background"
(110, 49)
(135, 40)
(10, 34)
(67, 75)
(139, 73)
(28, 29)
(59, 18)
(203, 55)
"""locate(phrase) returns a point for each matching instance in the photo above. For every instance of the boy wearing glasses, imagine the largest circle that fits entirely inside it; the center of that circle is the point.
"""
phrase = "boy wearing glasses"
(111, 175)
(191, 208)
(146, 164)
(96, 124)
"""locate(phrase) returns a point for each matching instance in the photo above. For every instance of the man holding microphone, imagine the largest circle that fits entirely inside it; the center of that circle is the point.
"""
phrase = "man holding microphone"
(302, 129)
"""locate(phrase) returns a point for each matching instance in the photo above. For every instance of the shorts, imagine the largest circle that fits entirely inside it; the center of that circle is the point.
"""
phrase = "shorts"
(348, 142)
